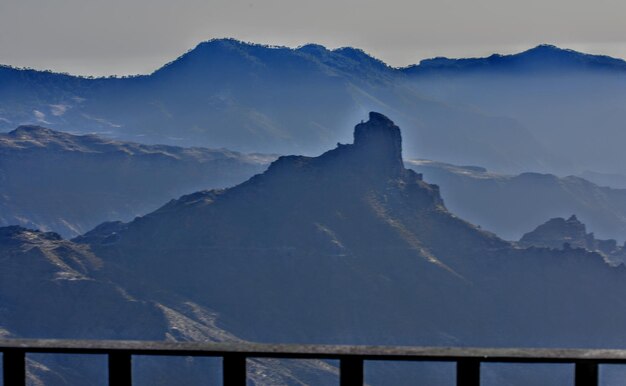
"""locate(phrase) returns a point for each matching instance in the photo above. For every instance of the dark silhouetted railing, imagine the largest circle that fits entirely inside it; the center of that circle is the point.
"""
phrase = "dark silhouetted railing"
(351, 358)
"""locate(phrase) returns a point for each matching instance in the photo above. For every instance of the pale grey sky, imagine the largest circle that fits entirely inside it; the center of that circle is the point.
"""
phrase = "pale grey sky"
(95, 37)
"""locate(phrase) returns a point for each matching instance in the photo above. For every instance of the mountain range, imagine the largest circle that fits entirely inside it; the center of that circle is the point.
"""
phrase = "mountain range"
(545, 109)
(347, 247)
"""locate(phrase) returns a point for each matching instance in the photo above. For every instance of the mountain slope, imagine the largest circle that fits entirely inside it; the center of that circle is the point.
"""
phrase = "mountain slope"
(350, 247)
(53, 288)
(57, 181)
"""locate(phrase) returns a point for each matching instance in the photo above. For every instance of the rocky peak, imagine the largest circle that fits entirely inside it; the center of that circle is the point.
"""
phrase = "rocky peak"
(380, 139)
(377, 151)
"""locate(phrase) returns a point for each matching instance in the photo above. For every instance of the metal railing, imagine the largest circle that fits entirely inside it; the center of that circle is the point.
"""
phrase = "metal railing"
(351, 358)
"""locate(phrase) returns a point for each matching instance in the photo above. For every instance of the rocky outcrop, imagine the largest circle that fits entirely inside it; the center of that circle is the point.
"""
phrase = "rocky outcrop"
(380, 142)
(559, 233)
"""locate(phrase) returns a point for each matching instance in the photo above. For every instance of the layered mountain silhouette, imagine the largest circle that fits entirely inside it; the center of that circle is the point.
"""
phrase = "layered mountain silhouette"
(253, 98)
(346, 247)
(68, 183)
(351, 247)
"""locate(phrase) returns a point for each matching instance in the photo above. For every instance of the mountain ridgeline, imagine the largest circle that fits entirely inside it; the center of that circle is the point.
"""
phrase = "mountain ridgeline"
(546, 109)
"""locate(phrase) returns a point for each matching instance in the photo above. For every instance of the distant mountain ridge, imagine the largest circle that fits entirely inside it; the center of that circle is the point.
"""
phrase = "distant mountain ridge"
(69, 183)
(544, 56)
(51, 288)
(254, 98)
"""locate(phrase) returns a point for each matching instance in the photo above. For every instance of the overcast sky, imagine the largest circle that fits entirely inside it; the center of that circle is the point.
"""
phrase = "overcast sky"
(96, 37)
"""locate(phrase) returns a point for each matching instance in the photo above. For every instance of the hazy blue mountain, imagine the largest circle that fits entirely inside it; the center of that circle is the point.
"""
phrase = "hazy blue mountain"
(542, 58)
(510, 205)
(351, 247)
(572, 103)
(253, 98)
(57, 181)
(605, 179)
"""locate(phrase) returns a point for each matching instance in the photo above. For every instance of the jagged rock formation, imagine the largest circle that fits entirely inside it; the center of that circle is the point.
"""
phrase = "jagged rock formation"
(571, 233)
(57, 181)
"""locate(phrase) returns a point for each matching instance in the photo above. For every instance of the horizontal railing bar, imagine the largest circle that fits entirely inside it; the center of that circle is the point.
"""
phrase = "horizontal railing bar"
(261, 350)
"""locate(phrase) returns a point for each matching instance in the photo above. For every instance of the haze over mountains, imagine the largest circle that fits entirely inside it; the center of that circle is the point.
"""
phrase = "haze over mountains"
(55, 181)
(287, 242)
(51, 180)
(511, 205)
(545, 109)
(194, 239)
(347, 247)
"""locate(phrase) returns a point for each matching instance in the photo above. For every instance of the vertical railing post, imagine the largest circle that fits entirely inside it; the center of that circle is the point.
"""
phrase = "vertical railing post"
(234, 370)
(14, 368)
(468, 372)
(351, 371)
(120, 369)
(586, 374)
